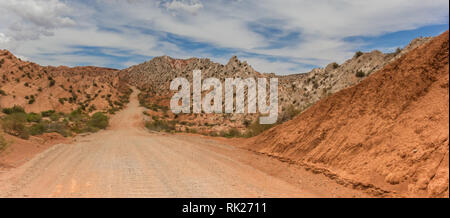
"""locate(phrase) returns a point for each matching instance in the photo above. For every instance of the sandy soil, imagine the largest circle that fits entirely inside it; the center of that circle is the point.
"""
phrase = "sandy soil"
(390, 132)
(128, 161)
(19, 151)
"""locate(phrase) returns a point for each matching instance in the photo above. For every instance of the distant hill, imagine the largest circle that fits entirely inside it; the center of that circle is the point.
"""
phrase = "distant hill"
(296, 92)
(40, 88)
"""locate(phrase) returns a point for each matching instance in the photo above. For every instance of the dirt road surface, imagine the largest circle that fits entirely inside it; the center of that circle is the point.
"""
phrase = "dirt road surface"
(126, 160)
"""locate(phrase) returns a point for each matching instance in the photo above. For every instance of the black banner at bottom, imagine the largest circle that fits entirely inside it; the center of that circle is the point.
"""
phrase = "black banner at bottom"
(260, 207)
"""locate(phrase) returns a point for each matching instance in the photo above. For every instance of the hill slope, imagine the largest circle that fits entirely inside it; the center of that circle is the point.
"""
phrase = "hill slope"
(296, 92)
(391, 130)
(38, 88)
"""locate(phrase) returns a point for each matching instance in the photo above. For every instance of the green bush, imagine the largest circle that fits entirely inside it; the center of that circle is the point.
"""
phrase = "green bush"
(59, 127)
(52, 83)
(76, 115)
(335, 65)
(99, 120)
(289, 113)
(360, 74)
(14, 124)
(160, 125)
(47, 113)
(3, 143)
(15, 109)
(54, 117)
(256, 128)
(38, 129)
(231, 133)
(34, 117)
(358, 54)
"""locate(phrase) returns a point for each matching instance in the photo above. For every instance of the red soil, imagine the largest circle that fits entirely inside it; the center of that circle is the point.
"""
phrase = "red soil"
(391, 131)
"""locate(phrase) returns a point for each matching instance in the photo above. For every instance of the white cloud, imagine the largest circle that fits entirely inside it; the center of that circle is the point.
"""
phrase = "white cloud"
(29, 19)
(4, 39)
(139, 27)
(189, 6)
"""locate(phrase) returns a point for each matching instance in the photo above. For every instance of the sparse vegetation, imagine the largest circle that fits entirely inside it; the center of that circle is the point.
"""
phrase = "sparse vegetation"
(47, 113)
(2, 92)
(289, 113)
(256, 128)
(360, 74)
(34, 117)
(15, 109)
(358, 54)
(231, 133)
(3, 143)
(14, 124)
(21, 124)
(160, 125)
(99, 120)
(335, 65)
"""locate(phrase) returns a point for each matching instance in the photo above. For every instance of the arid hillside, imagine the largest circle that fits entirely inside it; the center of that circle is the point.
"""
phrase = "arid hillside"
(296, 92)
(37, 88)
(390, 132)
(153, 79)
(302, 90)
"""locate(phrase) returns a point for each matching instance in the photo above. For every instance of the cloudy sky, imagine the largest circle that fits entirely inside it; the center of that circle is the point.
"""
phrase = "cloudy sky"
(281, 36)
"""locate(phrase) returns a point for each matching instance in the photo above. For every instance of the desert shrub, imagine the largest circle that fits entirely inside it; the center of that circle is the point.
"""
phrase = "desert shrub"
(160, 125)
(113, 110)
(92, 108)
(360, 74)
(2, 92)
(59, 127)
(15, 109)
(34, 117)
(99, 120)
(231, 133)
(76, 115)
(54, 117)
(38, 128)
(358, 54)
(192, 130)
(3, 143)
(47, 113)
(14, 124)
(335, 65)
(52, 83)
(118, 103)
(256, 128)
(289, 113)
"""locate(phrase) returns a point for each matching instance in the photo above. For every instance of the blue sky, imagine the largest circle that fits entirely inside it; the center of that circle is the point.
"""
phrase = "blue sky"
(283, 36)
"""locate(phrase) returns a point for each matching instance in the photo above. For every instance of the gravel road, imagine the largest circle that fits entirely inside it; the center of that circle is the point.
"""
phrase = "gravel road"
(126, 160)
